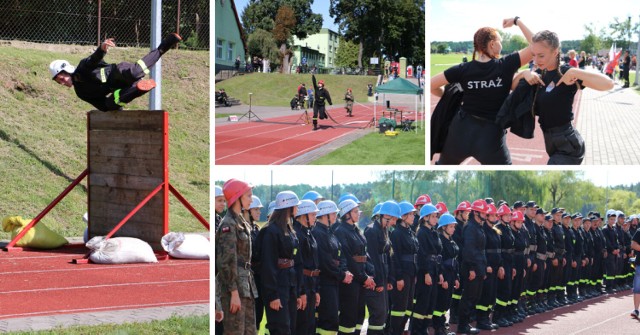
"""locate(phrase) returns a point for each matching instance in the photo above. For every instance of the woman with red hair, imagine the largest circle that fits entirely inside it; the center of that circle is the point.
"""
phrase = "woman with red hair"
(486, 82)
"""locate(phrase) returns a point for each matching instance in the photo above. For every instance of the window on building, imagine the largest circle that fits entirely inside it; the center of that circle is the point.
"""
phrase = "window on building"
(330, 48)
(219, 43)
(230, 51)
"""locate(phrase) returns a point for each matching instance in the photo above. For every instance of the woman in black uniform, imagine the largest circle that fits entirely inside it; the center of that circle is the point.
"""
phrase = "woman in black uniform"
(405, 248)
(378, 248)
(428, 276)
(307, 268)
(321, 95)
(473, 267)
(333, 268)
(446, 227)
(278, 247)
(505, 283)
(486, 82)
(520, 258)
(354, 247)
(494, 271)
(556, 86)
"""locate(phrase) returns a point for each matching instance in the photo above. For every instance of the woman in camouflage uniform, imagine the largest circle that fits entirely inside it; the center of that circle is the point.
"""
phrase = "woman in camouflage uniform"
(233, 262)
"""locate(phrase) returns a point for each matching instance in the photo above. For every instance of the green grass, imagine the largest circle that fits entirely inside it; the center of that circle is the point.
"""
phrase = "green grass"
(440, 62)
(274, 89)
(43, 134)
(174, 325)
(377, 149)
(221, 116)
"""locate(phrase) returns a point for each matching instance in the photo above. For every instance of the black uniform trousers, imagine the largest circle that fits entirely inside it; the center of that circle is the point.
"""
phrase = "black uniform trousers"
(555, 276)
(401, 304)
(503, 290)
(378, 309)
(518, 285)
(574, 279)
(489, 292)
(598, 270)
(283, 321)
(352, 303)
(566, 275)
(426, 296)
(318, 111)
(442, 305)
(470, 136)
(126, 75)
(328, 320)
(611, 269)
(306, 319)
(537, 279)
(470, 296)
(564, 145)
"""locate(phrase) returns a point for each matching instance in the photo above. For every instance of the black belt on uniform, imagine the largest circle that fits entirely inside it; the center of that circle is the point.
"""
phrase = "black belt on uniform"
(560, 252)
(508, 251)
(533, 247)
(311, 273)
(451, 262)
(541, 256)
(521, 252)
(435, 258)
(551, 254)
(409, 258)
(493, 251)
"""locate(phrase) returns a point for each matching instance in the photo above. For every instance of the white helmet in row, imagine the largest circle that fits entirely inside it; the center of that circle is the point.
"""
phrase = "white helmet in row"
(219, 191)
(271, 208)
(346, 206)
(326, 207)
(286, 199)
(306, 206)
(255, 202)
(60, 65)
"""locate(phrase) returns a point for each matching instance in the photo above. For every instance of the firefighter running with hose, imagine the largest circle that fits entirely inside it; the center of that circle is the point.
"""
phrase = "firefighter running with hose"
(321, 97)
(110, 87)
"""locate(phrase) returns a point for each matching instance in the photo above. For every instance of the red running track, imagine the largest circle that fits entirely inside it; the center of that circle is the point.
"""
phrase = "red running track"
(35, 283)
(280, 139)
(523, 151)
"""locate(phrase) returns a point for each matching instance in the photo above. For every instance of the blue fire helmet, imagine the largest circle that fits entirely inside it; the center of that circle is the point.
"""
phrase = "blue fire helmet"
(446, 219)
(376, 210)
(348, 196)
(390, 208)
(406, 207)
(427, 209)
(312, 195)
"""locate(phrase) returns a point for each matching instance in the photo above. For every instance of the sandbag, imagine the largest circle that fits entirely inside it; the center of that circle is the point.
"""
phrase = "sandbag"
(38, 237)
(189, 246)
(120, 250)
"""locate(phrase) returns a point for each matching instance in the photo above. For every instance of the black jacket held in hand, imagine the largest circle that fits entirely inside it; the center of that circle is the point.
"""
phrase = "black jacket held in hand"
(442, 115)
(517, 111)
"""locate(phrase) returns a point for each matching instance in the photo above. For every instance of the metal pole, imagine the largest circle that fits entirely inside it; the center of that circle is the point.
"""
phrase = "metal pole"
(332, 185)
(393, 184)
(155, 97)
(178, 20)
(457, 199)
(99, 19)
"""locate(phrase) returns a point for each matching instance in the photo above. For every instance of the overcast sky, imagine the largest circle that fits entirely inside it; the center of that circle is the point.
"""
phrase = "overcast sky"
(321, 175)
(458, 20)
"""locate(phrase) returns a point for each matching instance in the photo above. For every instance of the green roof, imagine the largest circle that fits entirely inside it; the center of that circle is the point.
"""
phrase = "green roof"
(399, 86)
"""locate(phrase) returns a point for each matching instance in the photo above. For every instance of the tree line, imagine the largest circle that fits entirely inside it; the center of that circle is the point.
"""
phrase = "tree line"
(548, 189)
(386, 29)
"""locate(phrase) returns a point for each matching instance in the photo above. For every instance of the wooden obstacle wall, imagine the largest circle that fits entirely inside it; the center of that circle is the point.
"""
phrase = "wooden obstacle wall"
(127, 158)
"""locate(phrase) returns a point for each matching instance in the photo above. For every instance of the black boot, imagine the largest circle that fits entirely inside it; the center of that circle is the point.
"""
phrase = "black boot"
(465, 328)
(169, 42)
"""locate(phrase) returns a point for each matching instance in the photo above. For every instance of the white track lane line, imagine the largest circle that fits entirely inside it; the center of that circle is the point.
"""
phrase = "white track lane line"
(68, 288)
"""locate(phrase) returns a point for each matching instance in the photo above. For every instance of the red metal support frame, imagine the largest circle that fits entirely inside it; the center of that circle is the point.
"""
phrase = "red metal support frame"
(187, 205)
(11, 245)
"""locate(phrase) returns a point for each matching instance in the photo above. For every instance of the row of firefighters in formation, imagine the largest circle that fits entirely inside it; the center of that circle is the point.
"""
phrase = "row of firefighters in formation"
(316, 270)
